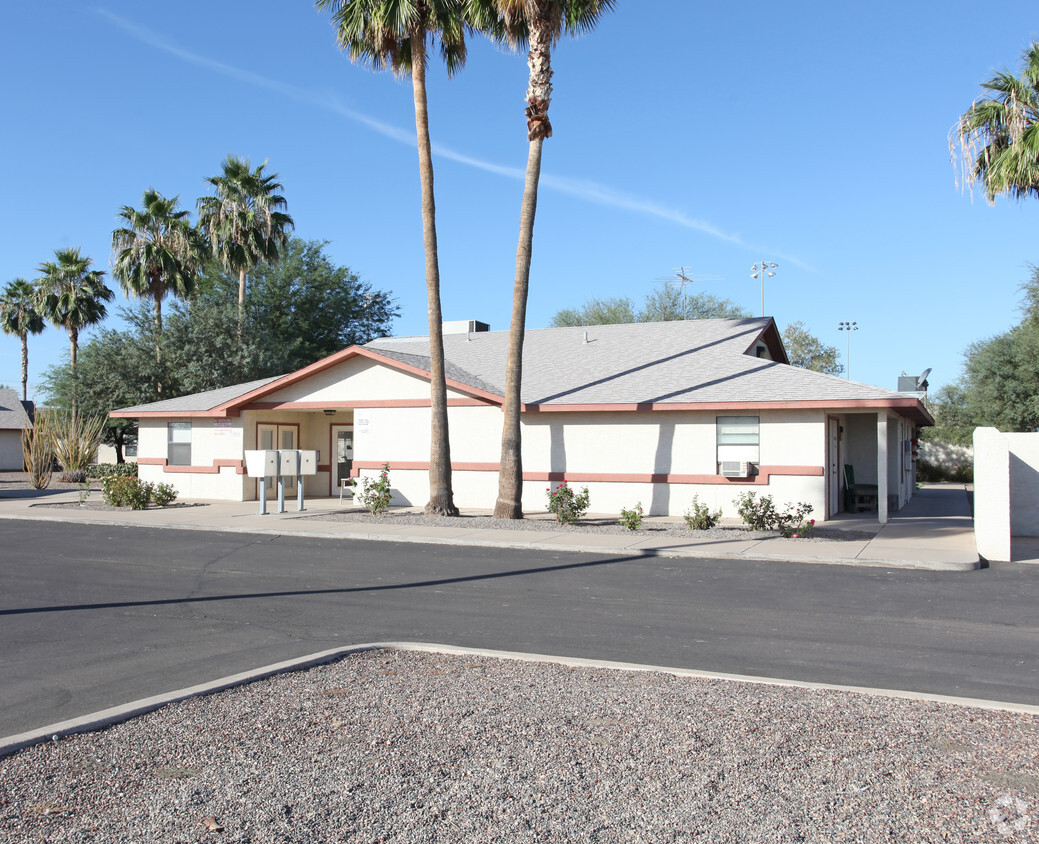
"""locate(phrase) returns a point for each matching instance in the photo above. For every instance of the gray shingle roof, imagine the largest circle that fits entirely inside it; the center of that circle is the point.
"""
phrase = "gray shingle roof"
(685, 362)
(662, 362)
(199, 401)
(12, 414)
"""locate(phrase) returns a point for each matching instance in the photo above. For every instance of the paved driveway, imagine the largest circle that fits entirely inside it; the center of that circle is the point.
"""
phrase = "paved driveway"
(94, 616)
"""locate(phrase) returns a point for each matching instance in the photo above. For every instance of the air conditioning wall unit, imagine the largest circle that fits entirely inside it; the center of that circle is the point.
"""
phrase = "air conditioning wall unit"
(734, 469)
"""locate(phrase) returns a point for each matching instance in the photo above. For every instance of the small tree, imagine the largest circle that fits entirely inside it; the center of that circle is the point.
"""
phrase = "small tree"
(808, 352)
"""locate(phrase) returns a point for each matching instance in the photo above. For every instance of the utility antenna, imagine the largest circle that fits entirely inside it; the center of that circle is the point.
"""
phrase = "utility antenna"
(684, 278)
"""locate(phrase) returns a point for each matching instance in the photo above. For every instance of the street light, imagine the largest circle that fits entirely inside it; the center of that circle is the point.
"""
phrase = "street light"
(763, 270)
(849, 327)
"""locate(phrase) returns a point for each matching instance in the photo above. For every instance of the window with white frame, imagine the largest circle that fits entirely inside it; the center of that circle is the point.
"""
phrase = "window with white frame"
(738, 439)
(178, 452)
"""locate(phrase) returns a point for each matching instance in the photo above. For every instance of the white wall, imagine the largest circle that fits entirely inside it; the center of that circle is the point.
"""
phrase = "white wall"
(211, 440)
(1024, 484)
(11, 459)
(992, 494)
(677, 443)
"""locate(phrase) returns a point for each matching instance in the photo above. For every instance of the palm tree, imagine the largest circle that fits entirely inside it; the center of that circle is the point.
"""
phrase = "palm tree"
(998, 136)
(393, 33)
(20, 317)
(539, 23)
(245, 221)
(71, 295)
(157, 253)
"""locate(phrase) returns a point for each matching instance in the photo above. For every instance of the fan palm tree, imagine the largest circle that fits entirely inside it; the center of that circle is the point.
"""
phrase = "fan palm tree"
(394, 34)
(20, 317)
(245, 221)
(156, 254)
(539, 24)
(71, 295)
(998, 136)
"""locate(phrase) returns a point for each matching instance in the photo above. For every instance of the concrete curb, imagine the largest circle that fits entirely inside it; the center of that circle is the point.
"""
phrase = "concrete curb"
(117, 714)
(676, 553)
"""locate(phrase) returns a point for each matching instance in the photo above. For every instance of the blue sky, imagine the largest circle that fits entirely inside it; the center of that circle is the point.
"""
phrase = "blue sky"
(811, 134)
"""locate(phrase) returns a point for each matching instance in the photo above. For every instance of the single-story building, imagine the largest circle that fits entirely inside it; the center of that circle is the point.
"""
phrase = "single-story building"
(650, 412)
(15, 417)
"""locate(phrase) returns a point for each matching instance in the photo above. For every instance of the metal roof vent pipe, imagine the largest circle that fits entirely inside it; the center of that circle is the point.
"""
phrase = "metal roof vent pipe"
(586, 337)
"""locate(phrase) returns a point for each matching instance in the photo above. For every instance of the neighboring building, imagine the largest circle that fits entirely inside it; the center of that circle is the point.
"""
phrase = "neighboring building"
(650, 412)
(15, 417)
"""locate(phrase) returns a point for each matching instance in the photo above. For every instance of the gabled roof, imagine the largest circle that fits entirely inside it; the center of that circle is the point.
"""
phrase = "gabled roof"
(199, 404)
(12, 412)
(694, 364)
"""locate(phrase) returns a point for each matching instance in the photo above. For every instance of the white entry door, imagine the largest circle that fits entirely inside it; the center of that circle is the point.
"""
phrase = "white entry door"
(833, 460)
(271, 437)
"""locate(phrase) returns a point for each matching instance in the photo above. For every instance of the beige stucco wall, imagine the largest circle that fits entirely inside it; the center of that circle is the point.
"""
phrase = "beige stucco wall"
(211, 439)
(682, 443)
(353, 380)
(11, 451)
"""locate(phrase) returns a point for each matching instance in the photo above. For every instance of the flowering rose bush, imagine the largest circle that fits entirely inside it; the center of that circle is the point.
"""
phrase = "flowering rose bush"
(567, 506)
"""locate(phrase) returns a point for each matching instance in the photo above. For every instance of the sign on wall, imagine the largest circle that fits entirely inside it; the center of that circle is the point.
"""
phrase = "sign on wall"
(362, 422)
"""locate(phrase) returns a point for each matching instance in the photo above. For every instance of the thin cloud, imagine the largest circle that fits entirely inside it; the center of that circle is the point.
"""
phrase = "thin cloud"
(587, 191)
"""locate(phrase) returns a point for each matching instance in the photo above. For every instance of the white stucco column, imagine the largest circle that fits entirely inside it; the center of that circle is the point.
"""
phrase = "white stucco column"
(882, 479)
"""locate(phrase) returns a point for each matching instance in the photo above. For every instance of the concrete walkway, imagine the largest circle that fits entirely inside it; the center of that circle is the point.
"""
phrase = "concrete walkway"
(935, 531)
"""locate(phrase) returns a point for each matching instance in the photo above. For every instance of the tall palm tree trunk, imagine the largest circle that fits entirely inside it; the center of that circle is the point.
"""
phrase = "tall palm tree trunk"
(25, 366)
(158, 343)
(510, 469)
(73, 348)
(241, 303)
(539, 95)
(441, 497)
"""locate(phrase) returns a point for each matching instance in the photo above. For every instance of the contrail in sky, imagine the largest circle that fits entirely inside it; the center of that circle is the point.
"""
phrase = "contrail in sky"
(588, 191)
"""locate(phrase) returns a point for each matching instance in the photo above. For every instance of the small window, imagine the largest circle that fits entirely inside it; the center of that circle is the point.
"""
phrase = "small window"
(737, 430)
(738, 441)
(179, 449)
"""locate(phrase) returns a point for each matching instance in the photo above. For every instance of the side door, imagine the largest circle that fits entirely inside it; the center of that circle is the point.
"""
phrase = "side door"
(342, 454)
(833, 466)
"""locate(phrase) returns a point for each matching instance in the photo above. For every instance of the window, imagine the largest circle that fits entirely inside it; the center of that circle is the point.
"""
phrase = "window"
(737, 430)
(738, 439)
(179, 449)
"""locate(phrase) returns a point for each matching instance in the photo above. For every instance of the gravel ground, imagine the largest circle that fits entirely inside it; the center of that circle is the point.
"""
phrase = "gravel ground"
(650, 528)
(390, 746)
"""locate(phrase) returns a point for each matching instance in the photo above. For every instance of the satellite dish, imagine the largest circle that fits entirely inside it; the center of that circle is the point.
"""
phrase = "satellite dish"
(921, 382)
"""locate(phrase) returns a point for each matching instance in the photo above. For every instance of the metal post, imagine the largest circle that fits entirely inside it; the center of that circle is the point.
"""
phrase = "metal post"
(281, 494)
(263, 496)
(299, 493)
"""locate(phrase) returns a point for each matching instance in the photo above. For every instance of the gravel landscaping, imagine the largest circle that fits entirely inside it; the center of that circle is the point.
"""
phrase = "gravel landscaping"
(651, 528)
(394, 746)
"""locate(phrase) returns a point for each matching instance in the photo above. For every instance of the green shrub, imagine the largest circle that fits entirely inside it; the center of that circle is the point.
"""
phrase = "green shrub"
(700, 517)
(565, 504)
(376, 495)
(103, 470)
(791, 522)
(632, 519)
(163, 494)
(759, 514)
(124, 491)
(962, 473)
